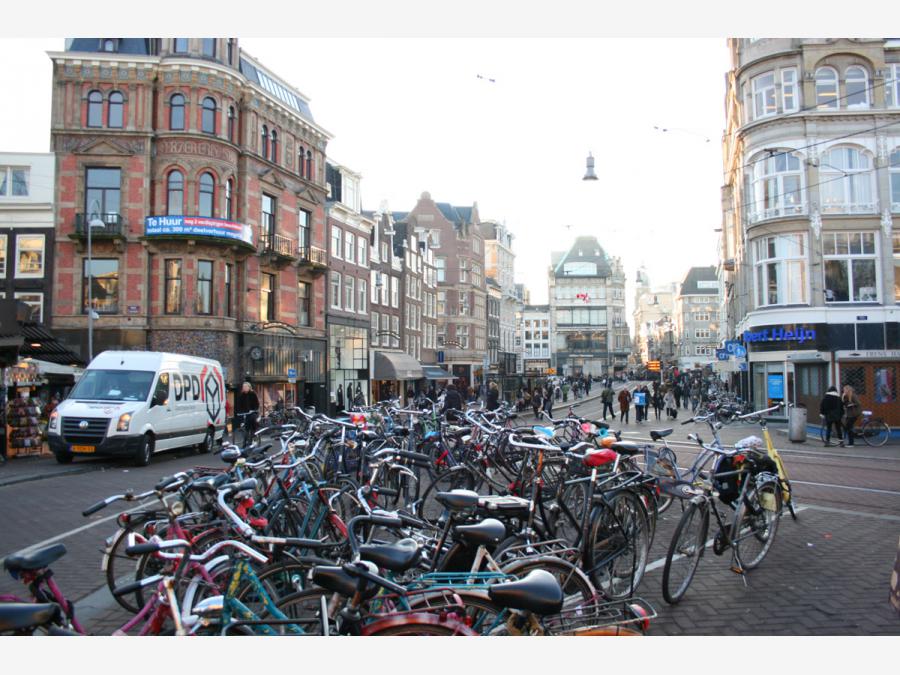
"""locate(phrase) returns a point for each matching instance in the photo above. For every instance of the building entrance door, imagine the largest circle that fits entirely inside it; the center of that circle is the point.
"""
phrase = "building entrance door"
(810, 382)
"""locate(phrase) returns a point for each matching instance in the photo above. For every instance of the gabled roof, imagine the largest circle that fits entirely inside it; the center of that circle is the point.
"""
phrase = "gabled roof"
(455, 214)
(689, 284)
(585, 249)
(399, 216)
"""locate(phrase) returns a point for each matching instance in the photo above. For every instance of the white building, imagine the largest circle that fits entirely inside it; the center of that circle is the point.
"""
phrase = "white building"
(697, 318)
(536, 340)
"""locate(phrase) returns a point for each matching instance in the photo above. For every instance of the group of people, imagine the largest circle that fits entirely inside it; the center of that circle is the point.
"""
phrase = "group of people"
(841, 412)
(643, 398)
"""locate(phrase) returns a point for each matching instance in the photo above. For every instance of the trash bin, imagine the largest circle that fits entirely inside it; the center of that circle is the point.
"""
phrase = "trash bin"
(797, 423)
(309, 410)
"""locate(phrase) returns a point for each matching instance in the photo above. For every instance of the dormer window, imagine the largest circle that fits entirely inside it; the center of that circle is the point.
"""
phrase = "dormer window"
(108, 45)
(181, 45)
(208, 47)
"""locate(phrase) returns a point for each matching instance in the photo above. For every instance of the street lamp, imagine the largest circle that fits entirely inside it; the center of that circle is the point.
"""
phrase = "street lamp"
(94, 220)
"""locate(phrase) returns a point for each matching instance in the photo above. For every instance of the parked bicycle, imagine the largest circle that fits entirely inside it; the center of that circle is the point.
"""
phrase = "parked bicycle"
(873, 430)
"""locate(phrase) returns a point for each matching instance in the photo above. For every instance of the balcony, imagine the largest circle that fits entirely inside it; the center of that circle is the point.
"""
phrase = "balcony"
(782, 211)
(113, 226)
(280, 250)
(312, 258)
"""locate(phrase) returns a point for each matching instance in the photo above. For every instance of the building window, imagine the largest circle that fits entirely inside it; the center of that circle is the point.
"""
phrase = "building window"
(231, 123)
(777, 187)
(303, 218)
(349, 242)
(264, 142)
(172, 287)
(462, 336)
(374, 278)
(103, 275)
(207, 195)
(790, 95)
(229, 289)
(384, 252)
(435, 238)
(35, 301)
(267, 298)
(463, 304)
(385, 330)
(827, 89)
(208, 47)
(229, 187)
(230, 46)
(895, 180)
(175, 193)
(95, 109)
(395, 329)
(851, 266)
(176, 112)
(362, 292)
(304, 296)
(208, 118)
(204, 304)
(115, 107)
(395, 292)
(309, 166)
(301, 155)
(29, 256)
(274, 156)
(108, 45)
(856, 82)
(336, 242)
(476, 245)
(846, 181)
(181, 45)
(13, 181)
(102, 191)
(2, 256)
(896, 267)
(781, 270)
(701, 316)
(701, 333)
(441, 303)
(764, 95)
(268, 214)
(464, 271)
(375, 337)
(362, 251)
(336, 290)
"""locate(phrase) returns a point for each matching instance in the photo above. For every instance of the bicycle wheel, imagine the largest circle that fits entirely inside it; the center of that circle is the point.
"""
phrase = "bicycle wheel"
(685, 551)
(755, 524)
(412, 627)
(457, 478)
(577, 588)
(618, 544)
(121, 568)
(875, 432)
(575, 499)
(305, 609)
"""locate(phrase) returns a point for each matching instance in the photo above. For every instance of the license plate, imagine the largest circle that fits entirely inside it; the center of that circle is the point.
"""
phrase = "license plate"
(84, 448)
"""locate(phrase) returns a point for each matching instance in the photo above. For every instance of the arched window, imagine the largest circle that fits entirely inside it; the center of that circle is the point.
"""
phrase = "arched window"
(777, 186)
(208, 121)
(264, 141)
(309, 172)
(175, 193)
(116, 101)
(301, 157)
(231, 123)
(827, 89)
(895, 186)
(856, 82)
(207, 195)
(274, 156)
(176, 112)
(845, 180)
(108, 45)
(229, 189)
(95, 109)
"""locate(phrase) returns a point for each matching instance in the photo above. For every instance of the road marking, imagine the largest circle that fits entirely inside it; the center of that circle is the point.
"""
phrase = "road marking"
(812, 453)
(846, 487)
(865, 514)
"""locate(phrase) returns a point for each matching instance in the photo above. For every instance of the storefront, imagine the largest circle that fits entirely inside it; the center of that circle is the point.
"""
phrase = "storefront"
(348, 366)
(393, 372)
(873, 376)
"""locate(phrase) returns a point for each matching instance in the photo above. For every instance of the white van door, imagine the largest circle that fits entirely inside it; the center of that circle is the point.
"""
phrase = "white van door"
(160, 414)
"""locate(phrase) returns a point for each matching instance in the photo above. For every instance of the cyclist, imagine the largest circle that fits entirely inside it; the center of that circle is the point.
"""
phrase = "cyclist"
(832, 408)
(852, 408)
(246, 407)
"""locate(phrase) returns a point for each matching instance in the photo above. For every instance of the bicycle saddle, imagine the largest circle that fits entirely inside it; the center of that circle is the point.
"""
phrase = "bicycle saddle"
(488, 532)
(538, 592)
(599, 457)
(22, 615)
(457, 500)
(662, 433)
(43, 557)
(336, 580)
(626, 448)
(397, 557)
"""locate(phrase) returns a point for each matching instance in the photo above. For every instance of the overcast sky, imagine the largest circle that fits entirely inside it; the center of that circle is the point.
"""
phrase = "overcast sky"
(413, 115)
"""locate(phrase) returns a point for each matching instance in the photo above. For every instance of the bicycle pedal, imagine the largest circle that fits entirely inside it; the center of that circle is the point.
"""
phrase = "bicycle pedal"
(737, 570)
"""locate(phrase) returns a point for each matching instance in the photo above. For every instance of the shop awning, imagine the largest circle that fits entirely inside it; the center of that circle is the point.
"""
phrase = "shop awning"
(396, 366)
(436, 373)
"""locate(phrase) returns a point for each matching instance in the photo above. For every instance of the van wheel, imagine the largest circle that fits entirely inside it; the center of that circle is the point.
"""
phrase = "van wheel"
(209, 441)
(64, 457)
(145, 451)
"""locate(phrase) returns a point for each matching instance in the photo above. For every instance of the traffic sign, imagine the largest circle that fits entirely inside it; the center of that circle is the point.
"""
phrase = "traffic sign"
(742, 366)
(740, 351)
(653, 365)
(292, 375)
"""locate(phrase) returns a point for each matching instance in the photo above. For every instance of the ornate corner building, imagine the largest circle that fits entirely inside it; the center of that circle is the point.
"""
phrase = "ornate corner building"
(200, 176)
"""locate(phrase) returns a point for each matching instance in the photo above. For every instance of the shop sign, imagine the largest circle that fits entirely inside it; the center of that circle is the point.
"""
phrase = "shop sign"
(800, 335)
(775, 386)
(722, 355)
(156, 226)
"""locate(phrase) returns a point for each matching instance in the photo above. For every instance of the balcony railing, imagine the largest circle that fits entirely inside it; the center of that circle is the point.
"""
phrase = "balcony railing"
(783, 211)
(313, 255)
(113, 225)
(277, 244)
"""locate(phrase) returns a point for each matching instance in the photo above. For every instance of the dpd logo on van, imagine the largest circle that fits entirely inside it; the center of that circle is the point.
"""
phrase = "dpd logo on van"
(212, 391)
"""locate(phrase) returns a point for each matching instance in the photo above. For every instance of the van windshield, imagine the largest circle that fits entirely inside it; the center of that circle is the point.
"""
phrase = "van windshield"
(113, 385)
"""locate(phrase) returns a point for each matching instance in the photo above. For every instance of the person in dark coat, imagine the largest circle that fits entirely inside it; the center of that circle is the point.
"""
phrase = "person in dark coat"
(493, 396)
(832, 408)
(624, 403)
(537, 401)
(246, 402)
(452, 399)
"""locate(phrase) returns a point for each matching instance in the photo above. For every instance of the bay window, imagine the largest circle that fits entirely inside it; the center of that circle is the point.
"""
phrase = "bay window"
(845, 179)
(781, 270)
(776, 187)
(764, 95)
(851, 266)
(893, 87)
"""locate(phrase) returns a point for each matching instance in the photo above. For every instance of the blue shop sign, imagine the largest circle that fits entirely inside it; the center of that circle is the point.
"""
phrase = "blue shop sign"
(731, 346)
(775, 388)
(196, 226)
(782, 334)
(722, 355)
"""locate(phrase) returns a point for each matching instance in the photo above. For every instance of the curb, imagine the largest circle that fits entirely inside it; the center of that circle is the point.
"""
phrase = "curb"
(28, 478)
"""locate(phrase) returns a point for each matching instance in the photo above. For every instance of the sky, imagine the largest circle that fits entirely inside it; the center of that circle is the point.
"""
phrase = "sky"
(413, 115)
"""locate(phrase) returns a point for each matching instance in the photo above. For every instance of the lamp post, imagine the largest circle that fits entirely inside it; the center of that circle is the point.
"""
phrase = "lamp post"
(94, 220)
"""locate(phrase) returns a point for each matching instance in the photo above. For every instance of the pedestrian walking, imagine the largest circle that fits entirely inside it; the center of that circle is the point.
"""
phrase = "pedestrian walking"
(832, 407)
(671, 406)
(852, 409)
(537, 401)
(493, 397)
(606, 397)
(657, 403)
(548, 400)
(624, 403)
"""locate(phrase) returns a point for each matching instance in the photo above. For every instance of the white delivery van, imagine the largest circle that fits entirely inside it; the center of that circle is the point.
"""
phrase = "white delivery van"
(132, 404)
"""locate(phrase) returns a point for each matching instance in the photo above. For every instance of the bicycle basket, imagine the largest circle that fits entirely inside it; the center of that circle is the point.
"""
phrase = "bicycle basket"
(728, 487)
(602, 618)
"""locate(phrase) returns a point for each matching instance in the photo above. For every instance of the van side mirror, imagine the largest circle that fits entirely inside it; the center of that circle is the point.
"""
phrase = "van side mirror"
(157, 400)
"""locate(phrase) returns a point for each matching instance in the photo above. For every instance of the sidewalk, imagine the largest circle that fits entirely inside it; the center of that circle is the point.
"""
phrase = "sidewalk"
(24, 469)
